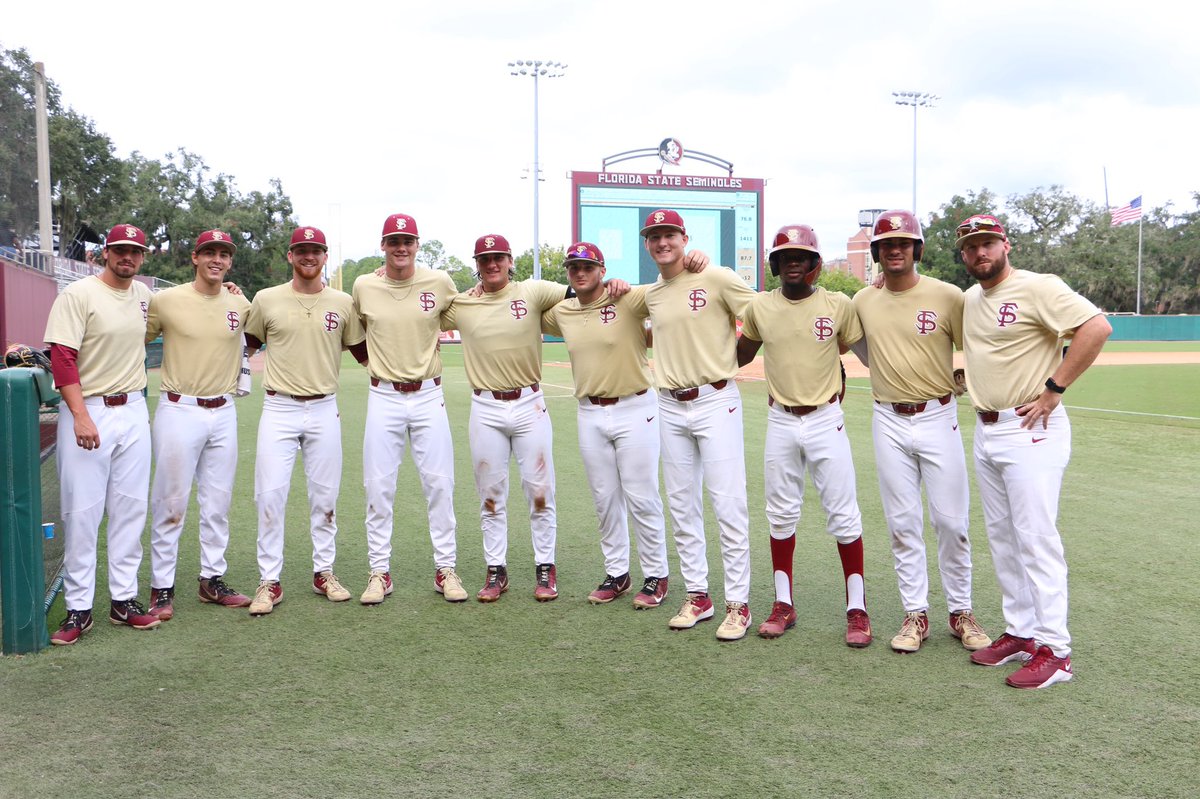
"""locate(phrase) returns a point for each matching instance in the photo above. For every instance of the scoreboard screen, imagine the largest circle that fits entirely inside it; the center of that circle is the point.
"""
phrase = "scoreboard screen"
(723, 217)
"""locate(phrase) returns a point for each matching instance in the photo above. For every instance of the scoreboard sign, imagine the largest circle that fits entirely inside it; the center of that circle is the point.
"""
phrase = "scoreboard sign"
(723, 216)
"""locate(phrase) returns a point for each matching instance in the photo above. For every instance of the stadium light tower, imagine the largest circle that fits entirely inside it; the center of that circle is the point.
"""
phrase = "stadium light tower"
(916, 100)
(535, 70)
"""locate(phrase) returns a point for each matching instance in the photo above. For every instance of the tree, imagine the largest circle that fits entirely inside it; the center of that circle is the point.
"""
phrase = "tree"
(352, 270)
(433, 255)
(834, 281)
(90, 181)
(18, 142)
(552, 264)
(940, 257)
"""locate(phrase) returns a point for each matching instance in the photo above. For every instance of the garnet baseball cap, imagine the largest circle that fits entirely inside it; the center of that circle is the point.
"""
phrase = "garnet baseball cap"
(492, 242)
(400, 225)
(126, 234)
(308, 235)
(979, 225)
(584, 251)
(663, 218)
(216, 237)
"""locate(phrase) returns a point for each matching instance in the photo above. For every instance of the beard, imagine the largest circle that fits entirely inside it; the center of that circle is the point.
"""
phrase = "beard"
(990, 269)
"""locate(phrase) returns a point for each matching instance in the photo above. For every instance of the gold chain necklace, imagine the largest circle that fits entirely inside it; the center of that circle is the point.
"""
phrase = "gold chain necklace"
(308, 309)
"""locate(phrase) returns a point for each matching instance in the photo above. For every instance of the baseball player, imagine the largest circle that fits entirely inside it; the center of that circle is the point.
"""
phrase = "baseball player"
(805, 329)
(195, 424)
(401, 314)
(912, 326)
(1014, 324)
(617, 423)
(501, 333)
(306, 325)
(700, 412)
(96, 332)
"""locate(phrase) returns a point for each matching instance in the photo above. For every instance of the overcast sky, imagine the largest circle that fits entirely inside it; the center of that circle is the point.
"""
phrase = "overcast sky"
(365, 109)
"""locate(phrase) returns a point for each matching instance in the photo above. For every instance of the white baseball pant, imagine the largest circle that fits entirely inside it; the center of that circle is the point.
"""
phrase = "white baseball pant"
(114, 477)
(499, 429)
(191, 443)
(314, 428)
(619, 445)
(702, 445)
(911, 449)
(1020, 474)
(396, 419)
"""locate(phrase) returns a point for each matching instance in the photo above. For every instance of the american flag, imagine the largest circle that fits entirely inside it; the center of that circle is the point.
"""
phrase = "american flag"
(1130, 212)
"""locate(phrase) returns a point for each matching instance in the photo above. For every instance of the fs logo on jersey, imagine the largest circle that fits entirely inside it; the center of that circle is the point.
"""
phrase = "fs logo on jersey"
(233, 320)
(1007, 315)
(697, 298)
(428, 299)
(823, 328)
(145, 310)
(926, 322)
(517, 308)
(332, 322)
(608, 314)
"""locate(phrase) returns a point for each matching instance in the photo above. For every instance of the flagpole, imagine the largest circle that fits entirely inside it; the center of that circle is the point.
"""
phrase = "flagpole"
(1139, 274)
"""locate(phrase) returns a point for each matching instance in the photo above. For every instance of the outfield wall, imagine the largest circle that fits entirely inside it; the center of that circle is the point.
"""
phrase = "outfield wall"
(1155, 328)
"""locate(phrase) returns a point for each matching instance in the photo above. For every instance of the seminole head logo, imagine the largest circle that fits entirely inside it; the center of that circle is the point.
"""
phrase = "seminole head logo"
(401, 223)
(308, 234)
(896, 222)
(659, 216)
(793, 234)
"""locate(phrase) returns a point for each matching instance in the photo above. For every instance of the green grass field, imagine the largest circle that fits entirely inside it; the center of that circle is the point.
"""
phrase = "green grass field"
(419, 698)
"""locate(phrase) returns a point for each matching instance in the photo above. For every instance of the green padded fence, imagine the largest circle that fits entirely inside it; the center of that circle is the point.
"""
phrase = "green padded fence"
(27, 444)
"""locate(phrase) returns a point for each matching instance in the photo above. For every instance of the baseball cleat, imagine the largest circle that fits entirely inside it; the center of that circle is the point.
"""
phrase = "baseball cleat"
(73, 627)
(547, 583)
(268, 595)
(610, 589)
(858, 628)
(213, 591)
(494, 585)
(696, 608)
(782, 619)
(326, 583)
(447, 583)
(654, 591)
(1005, 649)
(130, 613)
(379, 585)
(161, 603)
(737, 622)
(913, 632)
(964, 627)
(1044, 670)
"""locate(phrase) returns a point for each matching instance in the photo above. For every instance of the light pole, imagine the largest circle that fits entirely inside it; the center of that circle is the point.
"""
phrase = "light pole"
(916, 100)
(536, 69)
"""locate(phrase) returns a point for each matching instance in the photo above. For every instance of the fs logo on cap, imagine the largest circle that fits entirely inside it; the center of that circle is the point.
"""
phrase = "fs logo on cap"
(492, 243)
(218, 238)
(980, 225)
(584, 251)
(308, 235)
(126, 234)
(663, 218)
(400, 225)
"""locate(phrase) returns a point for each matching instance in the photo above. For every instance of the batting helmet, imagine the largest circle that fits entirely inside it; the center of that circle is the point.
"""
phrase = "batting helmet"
(793, 237)
(897, 224)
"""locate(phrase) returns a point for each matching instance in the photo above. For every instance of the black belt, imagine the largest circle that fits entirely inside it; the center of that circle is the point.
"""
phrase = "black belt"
(689, 394)
(297, 397)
